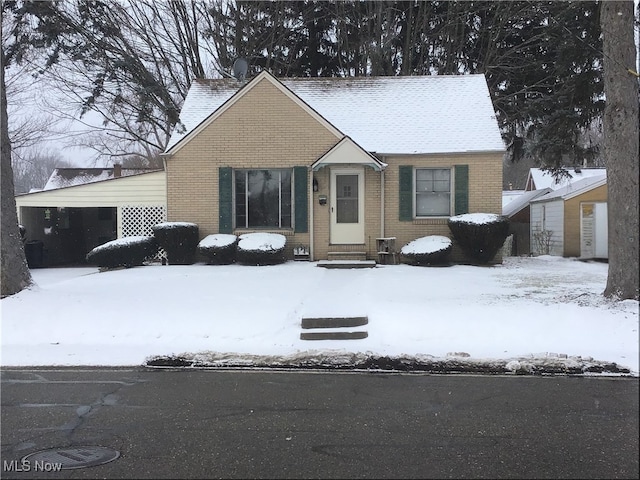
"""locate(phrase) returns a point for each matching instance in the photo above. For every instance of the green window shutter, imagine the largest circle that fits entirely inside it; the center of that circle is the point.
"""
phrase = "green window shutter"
(301, 187)
(225, 200)
(406, 192)
(461, 198)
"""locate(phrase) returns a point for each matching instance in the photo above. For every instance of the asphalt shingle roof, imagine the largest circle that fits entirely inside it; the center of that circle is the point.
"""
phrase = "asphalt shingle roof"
(545, 179)
(385, 115)
(574, 188)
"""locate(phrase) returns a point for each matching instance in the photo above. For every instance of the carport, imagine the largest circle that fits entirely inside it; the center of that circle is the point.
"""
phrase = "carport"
(63, 224)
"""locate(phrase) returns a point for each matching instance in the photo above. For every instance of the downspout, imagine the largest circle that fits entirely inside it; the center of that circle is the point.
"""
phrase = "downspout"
(311, 207)
(164, 157)
(382, 188)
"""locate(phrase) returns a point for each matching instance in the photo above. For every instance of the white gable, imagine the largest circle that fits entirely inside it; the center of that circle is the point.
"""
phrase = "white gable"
(348, 152)
(386, 115)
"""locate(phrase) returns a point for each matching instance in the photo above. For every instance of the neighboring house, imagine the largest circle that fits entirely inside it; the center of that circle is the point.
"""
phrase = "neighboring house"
(517, 210)
(529, 237)
(572, 221)
(539, 179)
(335, 164)
(509, 196)
(80, 208)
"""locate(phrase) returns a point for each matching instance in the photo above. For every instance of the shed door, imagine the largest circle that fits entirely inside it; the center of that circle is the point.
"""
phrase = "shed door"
(586, 230)
(594, 232)
(601, 231)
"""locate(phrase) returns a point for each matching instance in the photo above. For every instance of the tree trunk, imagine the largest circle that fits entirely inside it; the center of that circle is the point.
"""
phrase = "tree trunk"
(621, 153)
(15, 272)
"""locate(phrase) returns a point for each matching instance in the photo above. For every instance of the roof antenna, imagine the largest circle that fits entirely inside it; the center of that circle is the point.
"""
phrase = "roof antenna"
(240, 68)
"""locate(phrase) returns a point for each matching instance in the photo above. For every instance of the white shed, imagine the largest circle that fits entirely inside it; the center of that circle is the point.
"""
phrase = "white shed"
(63, 223)
(572, 221)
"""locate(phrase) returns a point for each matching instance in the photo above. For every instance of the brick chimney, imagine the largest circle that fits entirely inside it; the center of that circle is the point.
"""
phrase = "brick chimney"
(117, 170)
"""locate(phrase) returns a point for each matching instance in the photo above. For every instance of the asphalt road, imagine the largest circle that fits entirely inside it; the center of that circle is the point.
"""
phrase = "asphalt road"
(269, 424)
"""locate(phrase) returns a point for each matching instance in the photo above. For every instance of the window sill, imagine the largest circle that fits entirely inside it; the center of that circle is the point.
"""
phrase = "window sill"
(431, 221)
(287, 232)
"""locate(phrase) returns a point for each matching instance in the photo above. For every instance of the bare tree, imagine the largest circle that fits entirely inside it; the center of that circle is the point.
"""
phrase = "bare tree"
(123, 68)
(33, 167)
(621, 147)
(29, 124)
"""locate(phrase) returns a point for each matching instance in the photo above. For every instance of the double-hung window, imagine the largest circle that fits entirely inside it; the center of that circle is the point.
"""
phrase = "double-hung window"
(263, 198)
(432, 192)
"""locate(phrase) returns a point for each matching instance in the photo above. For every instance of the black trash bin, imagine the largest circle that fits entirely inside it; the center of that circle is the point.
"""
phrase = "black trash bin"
(33, 250)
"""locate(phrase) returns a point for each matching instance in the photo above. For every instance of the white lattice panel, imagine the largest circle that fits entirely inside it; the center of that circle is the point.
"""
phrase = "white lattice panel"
(135, 220)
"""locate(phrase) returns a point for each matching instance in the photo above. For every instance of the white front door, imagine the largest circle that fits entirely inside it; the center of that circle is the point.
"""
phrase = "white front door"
(347, 206)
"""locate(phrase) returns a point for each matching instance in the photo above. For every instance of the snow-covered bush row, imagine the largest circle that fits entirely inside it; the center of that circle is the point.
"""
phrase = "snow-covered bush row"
(123, 252)
(480, 235)
(430, 250)
(261, 248)
(218, 249)
(179, 240)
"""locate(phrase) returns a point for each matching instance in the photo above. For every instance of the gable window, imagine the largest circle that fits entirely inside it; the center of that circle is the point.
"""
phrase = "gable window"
(433, 192)
(263, 198)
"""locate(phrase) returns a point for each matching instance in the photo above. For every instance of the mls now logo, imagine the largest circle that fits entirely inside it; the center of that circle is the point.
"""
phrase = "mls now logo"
(26, 465)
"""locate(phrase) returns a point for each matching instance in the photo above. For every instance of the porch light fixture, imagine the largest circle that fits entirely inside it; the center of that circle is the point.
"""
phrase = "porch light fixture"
(315, 184)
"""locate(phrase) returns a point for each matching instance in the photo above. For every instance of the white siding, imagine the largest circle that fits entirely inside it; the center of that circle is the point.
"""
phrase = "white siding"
(144, 189)
(547, 222)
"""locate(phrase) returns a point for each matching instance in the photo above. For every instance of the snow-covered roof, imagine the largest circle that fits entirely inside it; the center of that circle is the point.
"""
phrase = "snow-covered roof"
(69, 177)
(509, 196)
(575, 188)
(386, 115)
(543, 179)
(522, 201)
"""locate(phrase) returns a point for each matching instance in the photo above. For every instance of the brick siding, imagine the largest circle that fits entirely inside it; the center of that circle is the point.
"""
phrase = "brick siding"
(266, 129)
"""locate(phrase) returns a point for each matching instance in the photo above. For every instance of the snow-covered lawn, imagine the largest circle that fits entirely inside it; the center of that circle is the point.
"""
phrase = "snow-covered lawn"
(525, 311)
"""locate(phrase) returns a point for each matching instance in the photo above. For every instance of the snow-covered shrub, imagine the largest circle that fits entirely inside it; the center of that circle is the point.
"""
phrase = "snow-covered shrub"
(123, 252)
(430, 250)
(179, 240)
(261, 248)
(480, 235)
(218, 249)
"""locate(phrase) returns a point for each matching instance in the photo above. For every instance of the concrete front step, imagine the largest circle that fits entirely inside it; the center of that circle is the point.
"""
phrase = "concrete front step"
(334, 322)
(333, 335)
(346, 255)
(346, 263)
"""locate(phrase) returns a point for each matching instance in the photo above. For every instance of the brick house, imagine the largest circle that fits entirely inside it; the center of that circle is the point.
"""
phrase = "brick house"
(335, 164)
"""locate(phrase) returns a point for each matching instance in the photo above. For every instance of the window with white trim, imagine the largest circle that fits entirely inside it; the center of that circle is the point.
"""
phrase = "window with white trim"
(263, 198)
(432, 192)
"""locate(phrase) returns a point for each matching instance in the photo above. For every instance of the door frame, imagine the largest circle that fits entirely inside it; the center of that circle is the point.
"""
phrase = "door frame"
(346, 234)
